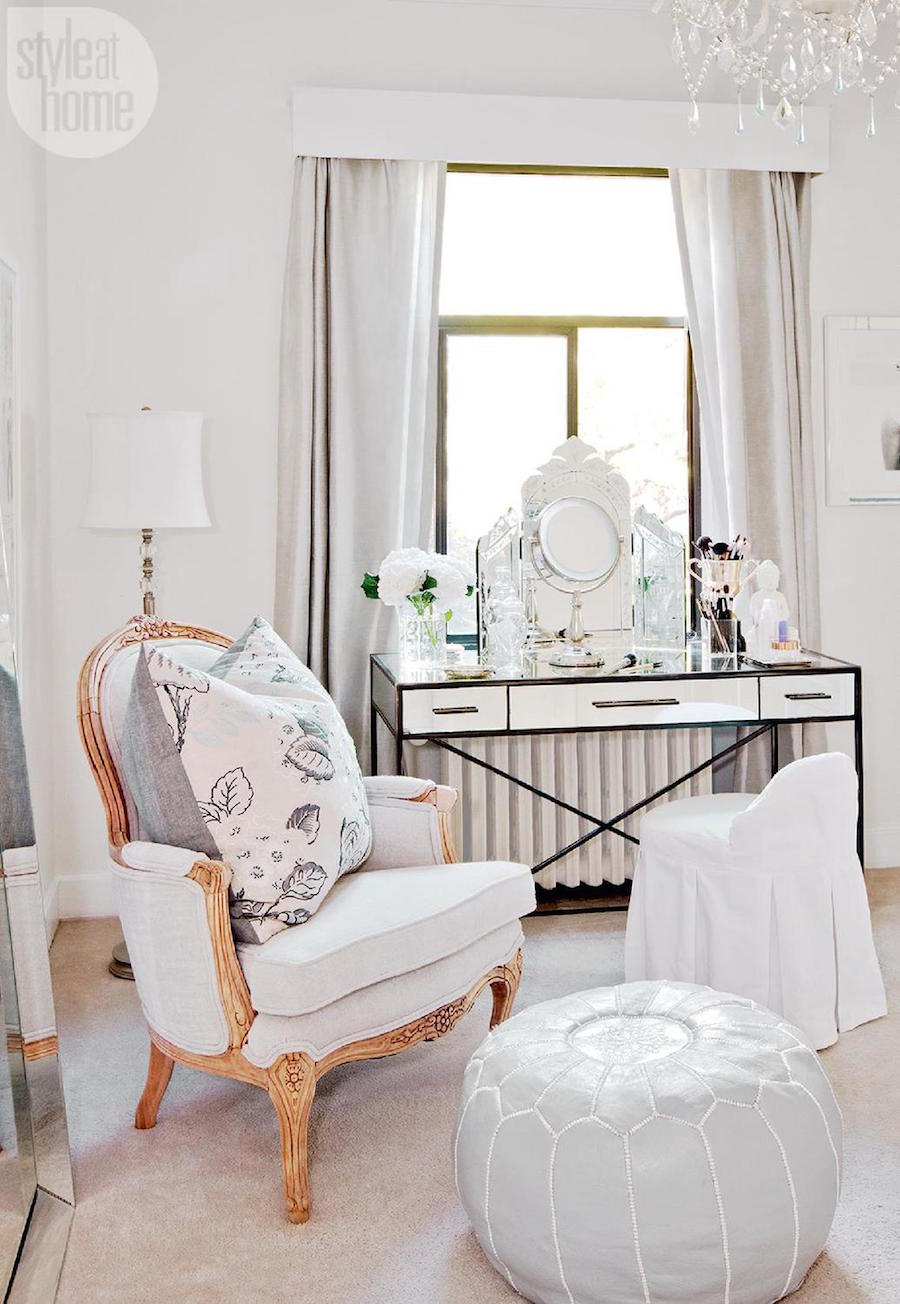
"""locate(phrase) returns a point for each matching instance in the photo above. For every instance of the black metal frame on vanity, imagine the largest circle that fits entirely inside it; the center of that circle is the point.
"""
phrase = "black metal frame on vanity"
(757, 729)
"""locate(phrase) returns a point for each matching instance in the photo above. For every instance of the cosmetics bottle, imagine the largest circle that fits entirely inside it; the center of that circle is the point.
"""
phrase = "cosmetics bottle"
(767, 628)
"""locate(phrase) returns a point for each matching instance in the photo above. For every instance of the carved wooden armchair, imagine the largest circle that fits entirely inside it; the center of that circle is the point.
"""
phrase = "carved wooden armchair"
(396, 955)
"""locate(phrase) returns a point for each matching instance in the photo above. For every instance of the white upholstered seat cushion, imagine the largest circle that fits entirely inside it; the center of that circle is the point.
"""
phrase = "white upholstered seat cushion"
(709, 817)
(380, 923)
(374, 1010)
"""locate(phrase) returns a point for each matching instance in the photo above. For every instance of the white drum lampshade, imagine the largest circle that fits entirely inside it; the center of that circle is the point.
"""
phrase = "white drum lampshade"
(146, 471)
(146, 474)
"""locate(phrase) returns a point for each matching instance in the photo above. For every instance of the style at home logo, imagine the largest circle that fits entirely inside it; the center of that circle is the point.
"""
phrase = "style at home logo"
(82, 82)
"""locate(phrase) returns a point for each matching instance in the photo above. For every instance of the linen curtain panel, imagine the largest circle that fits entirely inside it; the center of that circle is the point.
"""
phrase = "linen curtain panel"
(357, 406)
(744, 239)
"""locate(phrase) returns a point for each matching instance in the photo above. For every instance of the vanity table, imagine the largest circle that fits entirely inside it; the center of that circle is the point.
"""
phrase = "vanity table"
(428, 706)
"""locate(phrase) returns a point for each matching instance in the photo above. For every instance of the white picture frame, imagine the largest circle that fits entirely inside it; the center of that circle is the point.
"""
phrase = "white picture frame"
(862, 410)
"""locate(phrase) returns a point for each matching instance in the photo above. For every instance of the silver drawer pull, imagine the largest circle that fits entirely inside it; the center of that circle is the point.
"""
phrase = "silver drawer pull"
(808, 697)
(639, 701)
(454, 710)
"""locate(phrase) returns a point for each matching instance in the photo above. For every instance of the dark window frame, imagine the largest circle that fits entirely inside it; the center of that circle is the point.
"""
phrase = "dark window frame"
(567, 327)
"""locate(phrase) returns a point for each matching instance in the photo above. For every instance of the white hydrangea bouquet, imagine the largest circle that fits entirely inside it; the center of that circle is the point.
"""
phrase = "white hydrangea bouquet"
(429, 581)
(424, 587)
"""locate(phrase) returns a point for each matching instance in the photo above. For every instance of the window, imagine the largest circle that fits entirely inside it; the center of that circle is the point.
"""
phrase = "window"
(562, 313)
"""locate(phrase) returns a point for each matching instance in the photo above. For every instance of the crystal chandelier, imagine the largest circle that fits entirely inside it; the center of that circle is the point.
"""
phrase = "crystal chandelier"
(781, 51)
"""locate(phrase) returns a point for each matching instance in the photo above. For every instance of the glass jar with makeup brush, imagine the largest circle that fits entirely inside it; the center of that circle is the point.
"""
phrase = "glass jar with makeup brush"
(720, 634)
(720, 575)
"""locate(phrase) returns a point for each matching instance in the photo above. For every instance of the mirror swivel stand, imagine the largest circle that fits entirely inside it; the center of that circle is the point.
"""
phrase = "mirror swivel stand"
(574, 654)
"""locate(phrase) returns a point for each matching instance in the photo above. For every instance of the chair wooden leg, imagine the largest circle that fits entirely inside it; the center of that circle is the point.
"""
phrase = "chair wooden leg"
(158, 1075)
(504, 988)
(291, 1087)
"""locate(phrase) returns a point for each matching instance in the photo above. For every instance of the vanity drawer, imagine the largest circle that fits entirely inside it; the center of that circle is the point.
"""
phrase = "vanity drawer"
(671, 701)
(478, 709)
(723, 699)
(804, 697)
(543, 706)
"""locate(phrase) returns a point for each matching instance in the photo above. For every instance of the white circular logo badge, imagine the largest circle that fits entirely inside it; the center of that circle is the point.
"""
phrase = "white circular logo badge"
(82, 82)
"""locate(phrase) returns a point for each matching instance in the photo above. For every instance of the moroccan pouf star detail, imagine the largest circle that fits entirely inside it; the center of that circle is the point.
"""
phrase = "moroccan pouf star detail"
(654, 1143)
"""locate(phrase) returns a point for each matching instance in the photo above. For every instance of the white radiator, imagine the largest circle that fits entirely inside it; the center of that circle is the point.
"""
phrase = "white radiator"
(602, 773)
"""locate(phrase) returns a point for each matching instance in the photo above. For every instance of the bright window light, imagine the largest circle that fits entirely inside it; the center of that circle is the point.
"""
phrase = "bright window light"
(547, 245)
(562, 312)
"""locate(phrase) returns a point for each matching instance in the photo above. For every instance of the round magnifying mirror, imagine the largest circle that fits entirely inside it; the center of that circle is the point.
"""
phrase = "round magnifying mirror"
(579, 541)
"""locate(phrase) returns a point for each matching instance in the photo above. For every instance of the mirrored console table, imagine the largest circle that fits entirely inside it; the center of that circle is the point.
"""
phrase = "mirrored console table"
(429, 706)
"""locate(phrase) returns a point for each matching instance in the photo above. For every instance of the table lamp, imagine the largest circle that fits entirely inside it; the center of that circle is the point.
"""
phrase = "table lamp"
(146, 474)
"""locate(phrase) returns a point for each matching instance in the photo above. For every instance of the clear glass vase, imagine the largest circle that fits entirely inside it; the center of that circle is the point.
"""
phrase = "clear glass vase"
(423, 639)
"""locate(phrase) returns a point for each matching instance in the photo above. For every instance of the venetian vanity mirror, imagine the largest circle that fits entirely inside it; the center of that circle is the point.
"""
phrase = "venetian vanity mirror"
(576, 515)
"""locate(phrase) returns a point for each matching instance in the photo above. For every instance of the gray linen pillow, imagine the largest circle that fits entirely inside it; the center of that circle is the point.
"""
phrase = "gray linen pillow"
(159, 787)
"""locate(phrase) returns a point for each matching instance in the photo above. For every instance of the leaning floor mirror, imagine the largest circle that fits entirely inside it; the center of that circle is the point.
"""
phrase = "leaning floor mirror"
(36, 1193)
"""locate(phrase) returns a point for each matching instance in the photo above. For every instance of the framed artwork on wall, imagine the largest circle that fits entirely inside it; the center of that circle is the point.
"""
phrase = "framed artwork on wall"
(862, 410)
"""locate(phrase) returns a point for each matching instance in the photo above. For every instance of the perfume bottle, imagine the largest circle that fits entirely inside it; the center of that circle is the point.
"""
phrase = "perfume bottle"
(506, 628)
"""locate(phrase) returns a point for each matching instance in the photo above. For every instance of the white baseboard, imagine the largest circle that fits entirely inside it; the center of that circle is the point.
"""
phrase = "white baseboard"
(85, 896)
(883, 846)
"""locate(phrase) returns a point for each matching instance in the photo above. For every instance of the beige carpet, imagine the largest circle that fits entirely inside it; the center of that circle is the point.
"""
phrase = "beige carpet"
(192, 1210)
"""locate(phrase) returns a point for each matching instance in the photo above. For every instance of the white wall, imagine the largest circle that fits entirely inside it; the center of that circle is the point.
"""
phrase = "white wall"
(23, 244)
(856, 269)
(165, 266)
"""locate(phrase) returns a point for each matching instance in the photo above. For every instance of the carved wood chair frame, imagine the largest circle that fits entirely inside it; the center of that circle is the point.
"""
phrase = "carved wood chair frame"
(291, 1080)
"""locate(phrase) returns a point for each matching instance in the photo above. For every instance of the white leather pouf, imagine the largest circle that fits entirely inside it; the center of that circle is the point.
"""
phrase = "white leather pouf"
(654, 1143)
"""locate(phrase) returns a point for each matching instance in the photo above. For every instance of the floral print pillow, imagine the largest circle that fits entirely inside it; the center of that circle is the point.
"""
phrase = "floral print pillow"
(261, 662)
(276, 780)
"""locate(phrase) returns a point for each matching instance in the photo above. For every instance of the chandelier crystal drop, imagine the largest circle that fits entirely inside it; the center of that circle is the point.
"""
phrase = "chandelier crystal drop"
(786, 50)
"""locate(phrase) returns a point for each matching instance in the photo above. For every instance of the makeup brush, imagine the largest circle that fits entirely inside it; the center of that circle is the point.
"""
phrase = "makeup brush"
(628, 660)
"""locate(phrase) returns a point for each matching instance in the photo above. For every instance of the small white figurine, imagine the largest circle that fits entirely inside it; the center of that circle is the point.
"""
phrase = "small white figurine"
(767, 608)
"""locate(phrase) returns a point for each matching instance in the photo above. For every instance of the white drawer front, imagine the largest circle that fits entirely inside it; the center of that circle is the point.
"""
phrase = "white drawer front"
(607, 706)
(805, 697)
(454, 710)
(671, 701)
(543, 706)
(724, 699)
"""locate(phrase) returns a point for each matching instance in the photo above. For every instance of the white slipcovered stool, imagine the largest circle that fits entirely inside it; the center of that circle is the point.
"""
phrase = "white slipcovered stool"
(655, 1143)
(763, 896)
